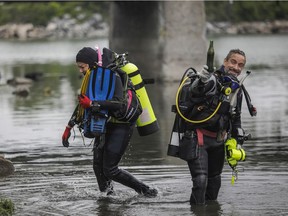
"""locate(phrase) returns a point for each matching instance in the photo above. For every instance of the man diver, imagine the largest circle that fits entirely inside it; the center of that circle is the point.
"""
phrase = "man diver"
(107, 155)
(210, 136)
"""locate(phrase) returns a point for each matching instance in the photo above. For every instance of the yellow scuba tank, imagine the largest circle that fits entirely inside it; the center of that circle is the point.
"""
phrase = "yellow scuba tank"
(147, 122)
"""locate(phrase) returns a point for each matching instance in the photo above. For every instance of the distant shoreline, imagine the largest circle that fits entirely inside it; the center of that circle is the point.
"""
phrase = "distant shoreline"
(68, 29)
(265, 27)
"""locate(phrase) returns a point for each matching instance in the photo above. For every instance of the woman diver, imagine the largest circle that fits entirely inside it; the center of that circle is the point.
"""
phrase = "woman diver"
(108, 150)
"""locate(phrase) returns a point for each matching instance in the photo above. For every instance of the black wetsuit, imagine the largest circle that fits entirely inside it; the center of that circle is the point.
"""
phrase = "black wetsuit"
(107, 155)
(207, 168)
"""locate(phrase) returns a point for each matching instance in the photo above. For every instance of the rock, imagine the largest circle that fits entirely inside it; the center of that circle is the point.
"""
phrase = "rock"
(19, 81)
(57, 28)
(22, 31)
(264, 27)
(19, 31)
(35, 76)
(22, 91)
(6, 167)
(280, 26)
(48, 91)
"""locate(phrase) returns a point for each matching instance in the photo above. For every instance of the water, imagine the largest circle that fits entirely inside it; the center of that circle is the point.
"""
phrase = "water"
(52, 180)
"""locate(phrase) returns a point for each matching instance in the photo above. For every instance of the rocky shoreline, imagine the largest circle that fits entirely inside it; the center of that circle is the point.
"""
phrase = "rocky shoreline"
(274, 27)
(68, 27)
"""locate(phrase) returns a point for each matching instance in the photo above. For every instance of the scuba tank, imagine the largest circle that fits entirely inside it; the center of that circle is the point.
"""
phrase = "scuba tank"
(147, 122)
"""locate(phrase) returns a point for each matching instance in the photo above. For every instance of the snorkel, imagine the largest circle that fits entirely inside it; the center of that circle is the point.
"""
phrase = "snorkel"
(99, 55)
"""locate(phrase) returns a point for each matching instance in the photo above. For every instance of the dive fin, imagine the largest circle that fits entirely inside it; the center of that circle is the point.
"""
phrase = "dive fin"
(101, 88)
(104, 85)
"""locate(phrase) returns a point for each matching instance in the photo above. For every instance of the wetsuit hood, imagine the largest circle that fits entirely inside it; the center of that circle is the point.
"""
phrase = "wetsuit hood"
(87, 55)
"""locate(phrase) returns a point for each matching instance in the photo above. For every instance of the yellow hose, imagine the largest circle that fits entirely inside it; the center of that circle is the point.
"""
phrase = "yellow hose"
(83, 90)
(190, 120)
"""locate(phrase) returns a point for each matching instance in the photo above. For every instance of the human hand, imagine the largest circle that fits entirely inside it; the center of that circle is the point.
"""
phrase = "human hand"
(66, 136)
(204, 74)
(84, 101)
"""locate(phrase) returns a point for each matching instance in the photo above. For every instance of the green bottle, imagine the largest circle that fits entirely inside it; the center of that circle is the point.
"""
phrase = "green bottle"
(210, 57)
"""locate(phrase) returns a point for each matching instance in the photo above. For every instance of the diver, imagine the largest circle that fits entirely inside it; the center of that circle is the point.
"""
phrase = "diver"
(110, 146)
(217, 97)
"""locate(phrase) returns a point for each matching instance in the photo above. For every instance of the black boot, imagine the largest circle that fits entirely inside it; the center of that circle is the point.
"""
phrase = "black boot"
(104, 183)
(213, 187)
(129, 180)
(111, 171)
(198, 190)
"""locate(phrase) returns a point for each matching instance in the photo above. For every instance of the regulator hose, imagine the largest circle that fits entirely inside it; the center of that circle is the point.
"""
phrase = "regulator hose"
(181, 114)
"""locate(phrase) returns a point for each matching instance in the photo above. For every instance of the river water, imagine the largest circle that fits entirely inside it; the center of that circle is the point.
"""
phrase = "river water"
(52, 180)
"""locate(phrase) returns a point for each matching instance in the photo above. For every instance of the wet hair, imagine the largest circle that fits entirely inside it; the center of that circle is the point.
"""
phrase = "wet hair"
(87, 55)
(235, 51)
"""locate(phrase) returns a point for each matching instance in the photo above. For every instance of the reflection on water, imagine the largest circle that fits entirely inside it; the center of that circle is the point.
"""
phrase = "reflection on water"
(52, 180)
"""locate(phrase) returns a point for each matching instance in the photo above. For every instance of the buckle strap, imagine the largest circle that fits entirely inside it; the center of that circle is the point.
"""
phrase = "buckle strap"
(201, 132)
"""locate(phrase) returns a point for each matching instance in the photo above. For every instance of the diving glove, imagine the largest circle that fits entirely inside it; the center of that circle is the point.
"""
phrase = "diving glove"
(66, 136)
(204, 74)
(84, 101)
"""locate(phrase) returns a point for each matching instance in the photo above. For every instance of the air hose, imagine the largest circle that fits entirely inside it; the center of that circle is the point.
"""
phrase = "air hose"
(181, 114)
(83, 89)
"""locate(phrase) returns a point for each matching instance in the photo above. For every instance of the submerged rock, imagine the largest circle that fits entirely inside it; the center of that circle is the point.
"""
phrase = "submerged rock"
(22, 91)
(6, 167)
(35, 76)
(19, 81)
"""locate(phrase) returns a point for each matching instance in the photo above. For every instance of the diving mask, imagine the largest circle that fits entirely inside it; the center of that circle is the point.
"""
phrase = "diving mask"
(228, 81)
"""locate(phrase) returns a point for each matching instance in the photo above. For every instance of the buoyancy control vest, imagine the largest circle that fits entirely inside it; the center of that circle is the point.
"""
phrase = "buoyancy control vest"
(202, 105)
(146, 123)
(210, 106)
(131, 109)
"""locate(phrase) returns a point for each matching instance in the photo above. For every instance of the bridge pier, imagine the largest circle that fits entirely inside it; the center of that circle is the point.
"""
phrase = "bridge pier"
(134, 28)
(163, 38)
(183, 35)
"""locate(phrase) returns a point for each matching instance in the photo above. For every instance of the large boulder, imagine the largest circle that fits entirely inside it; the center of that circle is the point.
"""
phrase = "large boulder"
(6, 167)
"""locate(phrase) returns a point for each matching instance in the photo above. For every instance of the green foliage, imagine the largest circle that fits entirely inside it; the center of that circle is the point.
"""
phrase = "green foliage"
(239, 11)
(6, 207)
(40, 13)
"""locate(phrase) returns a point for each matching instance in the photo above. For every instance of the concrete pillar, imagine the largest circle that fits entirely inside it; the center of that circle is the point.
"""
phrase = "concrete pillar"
(163, 38)
(134, 28)
(182, 34)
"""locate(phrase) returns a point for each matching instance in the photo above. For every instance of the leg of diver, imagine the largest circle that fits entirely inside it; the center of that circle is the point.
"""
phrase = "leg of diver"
(104, 183)
(198, 190)
(112, 171)
(199, 169)
(213, 187)
(216, 164)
